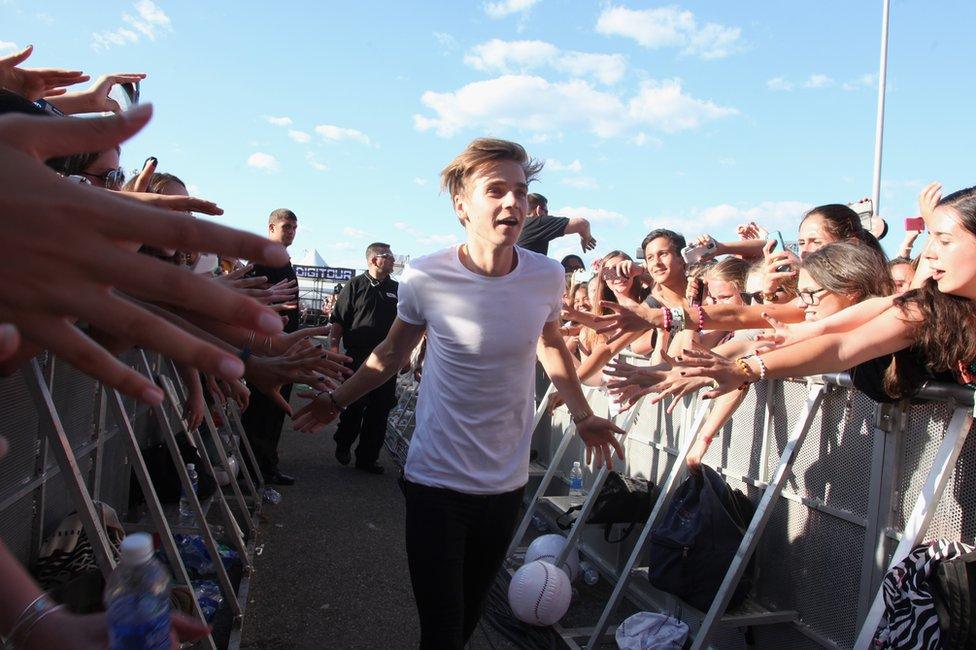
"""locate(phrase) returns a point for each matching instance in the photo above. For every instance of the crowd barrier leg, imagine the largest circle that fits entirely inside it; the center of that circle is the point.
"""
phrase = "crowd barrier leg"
(667, 490)
(61, 447)
(116, 411)
(764, 511)
(601, 477)
(925, 507)
(550, 470)
(200, 515)
(236, 534)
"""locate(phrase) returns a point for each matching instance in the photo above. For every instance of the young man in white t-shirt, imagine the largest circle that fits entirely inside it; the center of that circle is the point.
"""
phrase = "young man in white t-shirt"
(488, 309)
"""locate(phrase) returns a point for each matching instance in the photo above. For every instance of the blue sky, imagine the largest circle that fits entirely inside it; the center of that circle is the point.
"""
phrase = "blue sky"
(696, 116)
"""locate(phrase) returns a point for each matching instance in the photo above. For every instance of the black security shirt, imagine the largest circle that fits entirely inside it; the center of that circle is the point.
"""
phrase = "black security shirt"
(274, 276)
(539, 231)
(365, 309)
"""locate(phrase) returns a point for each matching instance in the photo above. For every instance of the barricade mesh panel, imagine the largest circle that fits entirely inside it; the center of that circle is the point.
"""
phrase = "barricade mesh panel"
(74, 395)
(787, 403)
(833, 465)
(741, 437)
(115, 477)
(18, 424)
(816, 569)
(955, 518)
(15, 526)
(925, 426)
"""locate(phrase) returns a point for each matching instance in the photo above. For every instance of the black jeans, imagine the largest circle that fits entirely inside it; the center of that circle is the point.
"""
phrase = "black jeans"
(366, 419)
(455, 546)
(262, 422)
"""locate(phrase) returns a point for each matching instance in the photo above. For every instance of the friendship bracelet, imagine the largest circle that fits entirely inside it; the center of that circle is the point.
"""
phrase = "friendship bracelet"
(744, 367)
(332, 399)
(701, 318)
(762, 366)
(677, 318)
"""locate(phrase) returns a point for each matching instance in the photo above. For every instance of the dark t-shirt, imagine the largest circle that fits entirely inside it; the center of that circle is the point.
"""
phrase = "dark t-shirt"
(539, 231)
(366, 310)
(274, 276)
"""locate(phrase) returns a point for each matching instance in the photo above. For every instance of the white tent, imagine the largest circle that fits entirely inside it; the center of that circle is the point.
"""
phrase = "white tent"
(310, 257)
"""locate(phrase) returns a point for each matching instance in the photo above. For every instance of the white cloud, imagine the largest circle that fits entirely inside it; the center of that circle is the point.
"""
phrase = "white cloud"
(779, 83)
(426, 238)
(418, 181)
(263, 161)
(355, 233)
(728, 161)
(150, 21)
(299, 136)
(503, 8)
(593, 215)
(342, 245)
(278, 121)
(670, 27)
(554, 165)
(446, 41)
(337, 134)
(314, 162)
(868, 80)
(45, 18)
(581, 182)
(8, 46)
(818, 81)
(501, 103)
(642, 139)
(774, 215)
(498, 56)
(664, 106)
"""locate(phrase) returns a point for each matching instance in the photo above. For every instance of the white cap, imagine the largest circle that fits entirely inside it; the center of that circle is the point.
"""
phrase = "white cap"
(136, 549)
(576, 463)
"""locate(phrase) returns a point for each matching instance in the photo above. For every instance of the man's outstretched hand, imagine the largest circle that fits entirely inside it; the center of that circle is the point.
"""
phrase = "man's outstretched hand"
(600, 437)
(316, 414)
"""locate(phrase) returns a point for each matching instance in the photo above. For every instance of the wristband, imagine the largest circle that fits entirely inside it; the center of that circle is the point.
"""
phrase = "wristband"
(677, 318)
(40, 607)
(48, 108)
(701, 319)
(245, 353)
(744, 367)
(341, 409)
(666, 314)
(762, 366)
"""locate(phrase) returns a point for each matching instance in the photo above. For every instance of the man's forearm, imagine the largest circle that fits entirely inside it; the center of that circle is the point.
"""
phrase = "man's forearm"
(382, 364)
(559, 365)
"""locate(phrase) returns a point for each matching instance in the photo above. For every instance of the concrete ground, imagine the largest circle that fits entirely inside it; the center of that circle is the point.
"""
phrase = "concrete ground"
(333, 571)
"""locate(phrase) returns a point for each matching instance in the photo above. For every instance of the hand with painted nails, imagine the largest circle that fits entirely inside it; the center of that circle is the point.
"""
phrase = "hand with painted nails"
(95, 99)
(69, 264)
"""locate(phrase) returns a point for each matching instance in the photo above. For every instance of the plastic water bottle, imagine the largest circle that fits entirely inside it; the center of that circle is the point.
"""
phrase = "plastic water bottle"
(590, 575)
(186, 510)
(576, 484)
(137, 598)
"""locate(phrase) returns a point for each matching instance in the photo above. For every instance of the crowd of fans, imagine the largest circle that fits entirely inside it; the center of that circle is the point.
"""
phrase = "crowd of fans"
(94, 264)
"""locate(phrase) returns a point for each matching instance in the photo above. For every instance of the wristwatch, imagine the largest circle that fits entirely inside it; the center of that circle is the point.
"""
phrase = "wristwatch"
(585, 415)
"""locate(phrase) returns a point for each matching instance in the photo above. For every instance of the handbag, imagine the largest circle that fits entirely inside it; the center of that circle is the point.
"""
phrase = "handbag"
(622, 500)
(953, 588)
(694, 543)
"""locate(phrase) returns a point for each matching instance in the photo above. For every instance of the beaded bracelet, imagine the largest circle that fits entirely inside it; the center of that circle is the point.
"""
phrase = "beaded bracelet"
(701, 319)
(744, 367)
(666, 315)
(762, 366)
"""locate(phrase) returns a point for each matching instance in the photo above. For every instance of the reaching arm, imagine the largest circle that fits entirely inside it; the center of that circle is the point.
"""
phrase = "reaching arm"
(336, 336)
(580, 226)
(387, 359)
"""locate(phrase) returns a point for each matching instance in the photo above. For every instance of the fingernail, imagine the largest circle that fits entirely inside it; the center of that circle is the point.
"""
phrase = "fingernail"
(679, 358)
(151, 395)
(230, 367)
(269, 323)
(150, 159)
(682, 373)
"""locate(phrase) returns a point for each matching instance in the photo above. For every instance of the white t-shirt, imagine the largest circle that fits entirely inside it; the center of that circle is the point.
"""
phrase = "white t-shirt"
(474, 413)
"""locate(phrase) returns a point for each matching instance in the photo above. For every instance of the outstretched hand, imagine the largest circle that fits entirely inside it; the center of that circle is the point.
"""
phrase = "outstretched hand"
(622, 320)
(319, 411)
(724, 373)
(35, 83)
(86, 226)
(600, 436)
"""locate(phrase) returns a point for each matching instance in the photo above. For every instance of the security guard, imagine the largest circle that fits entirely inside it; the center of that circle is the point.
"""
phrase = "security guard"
(361, 319)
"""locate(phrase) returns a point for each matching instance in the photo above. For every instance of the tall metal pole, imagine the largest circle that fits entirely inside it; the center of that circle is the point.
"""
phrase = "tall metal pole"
(879, 128)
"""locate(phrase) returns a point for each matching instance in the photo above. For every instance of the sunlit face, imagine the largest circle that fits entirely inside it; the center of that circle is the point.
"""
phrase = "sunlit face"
(104, 171)
(902, 274)
(813, 235)
(619, 285)
(951, 253)
(581, 299)
(283, 232)
(723, 292)
(383, 260)
(493, 204)
(663, 262)
(825, 302)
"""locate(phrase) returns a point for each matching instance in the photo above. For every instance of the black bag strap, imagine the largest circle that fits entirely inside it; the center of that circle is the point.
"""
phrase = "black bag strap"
(565, 520)
(608, 527)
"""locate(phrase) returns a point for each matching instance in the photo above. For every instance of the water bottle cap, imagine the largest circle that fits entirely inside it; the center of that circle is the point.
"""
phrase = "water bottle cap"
(576, 463)
(136, 549)
(191, 466)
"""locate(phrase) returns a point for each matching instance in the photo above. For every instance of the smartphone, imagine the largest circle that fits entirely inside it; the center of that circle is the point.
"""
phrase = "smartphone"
(692, 254)
(915, 224)
(126, 95)
(782, 246)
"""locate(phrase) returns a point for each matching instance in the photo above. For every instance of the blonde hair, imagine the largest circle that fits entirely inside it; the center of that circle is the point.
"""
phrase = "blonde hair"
(481, 152)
